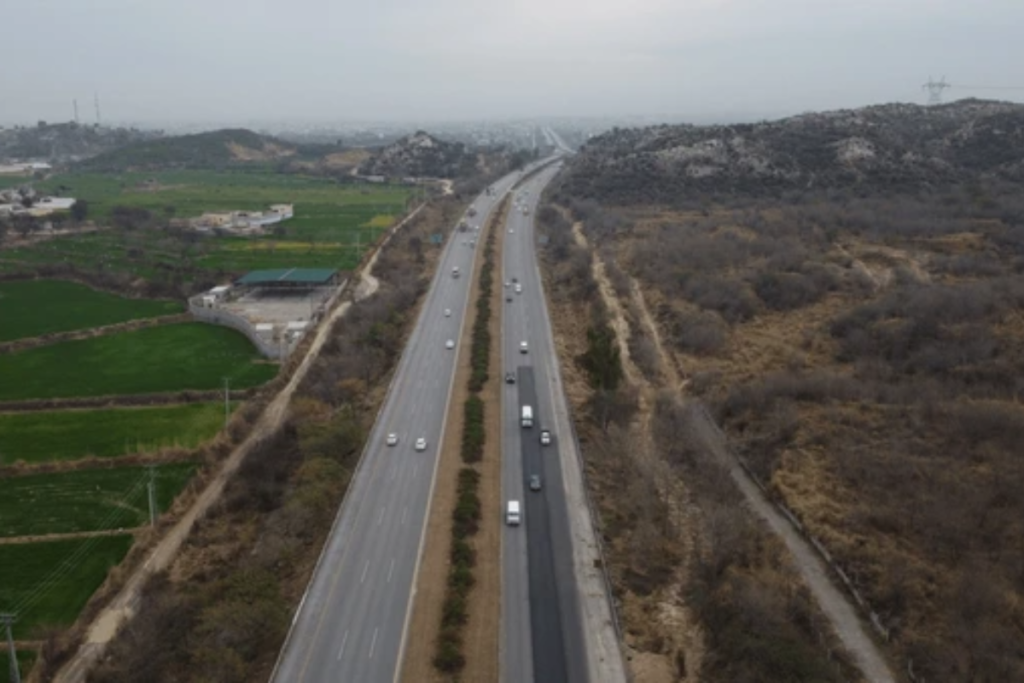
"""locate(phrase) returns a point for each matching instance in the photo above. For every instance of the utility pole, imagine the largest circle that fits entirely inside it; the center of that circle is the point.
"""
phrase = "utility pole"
(227, 400)
(935, 89)
(75, 103)
(8, 620)
(152, 495)
(96, 102)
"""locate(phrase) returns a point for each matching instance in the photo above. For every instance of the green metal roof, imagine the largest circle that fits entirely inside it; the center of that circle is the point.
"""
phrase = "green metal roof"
(298, 276)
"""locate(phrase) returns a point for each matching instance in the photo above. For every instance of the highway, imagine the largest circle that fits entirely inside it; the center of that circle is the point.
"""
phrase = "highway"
(542, 633)
(351, 624)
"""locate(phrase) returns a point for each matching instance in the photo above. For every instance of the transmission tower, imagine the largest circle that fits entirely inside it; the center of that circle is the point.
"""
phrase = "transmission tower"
(96, 102)
(935, 89)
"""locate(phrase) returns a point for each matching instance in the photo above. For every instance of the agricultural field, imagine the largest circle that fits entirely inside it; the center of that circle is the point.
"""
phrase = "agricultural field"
(46, 436)
(86, 500)
(26, 658)
(31, 308)
(48, 583)
(150, 360)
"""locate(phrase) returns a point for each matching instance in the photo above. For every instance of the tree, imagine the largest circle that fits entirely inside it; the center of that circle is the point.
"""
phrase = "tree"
(80, 210)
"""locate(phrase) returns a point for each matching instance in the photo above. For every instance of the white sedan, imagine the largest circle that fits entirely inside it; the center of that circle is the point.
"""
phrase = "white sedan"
(392, 439)
(421, 444)
(450, 344)
(447, 312)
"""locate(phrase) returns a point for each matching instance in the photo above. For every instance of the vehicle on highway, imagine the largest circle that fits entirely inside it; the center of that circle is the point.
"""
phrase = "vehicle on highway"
(508, 299)
(515, 280)
(507, 284)
(510, 231)
(421, 444)
(545, 437)
(512, 514)
(450, 344)
(392, 439)
(535, 482)
(523, 347)
(455, 271)
(519, 289)
(447, 312)
(527, 417)
(510, 378)
(472, 211)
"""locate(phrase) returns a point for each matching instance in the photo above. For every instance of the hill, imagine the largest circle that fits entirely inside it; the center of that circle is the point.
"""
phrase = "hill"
(214, 149)
(421, 155)
(65, 141)
(887, 147)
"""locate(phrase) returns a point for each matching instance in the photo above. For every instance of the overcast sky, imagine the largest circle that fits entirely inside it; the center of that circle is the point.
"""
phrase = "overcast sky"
(343, 60)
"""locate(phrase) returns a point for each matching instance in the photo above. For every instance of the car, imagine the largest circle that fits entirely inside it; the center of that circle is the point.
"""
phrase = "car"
(392, 439)
(511, 231)
(421, 444)
(450, 344)
(523, 347)
(510, 378)
(535, 482)
(519, 289)
(515, 280)
(508, 299)
(507, 284)
(447, 312)
(545, 437)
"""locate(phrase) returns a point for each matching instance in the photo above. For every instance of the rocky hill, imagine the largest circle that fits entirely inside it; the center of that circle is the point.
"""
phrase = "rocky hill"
(214, 149)
(887, 147)
(421, 155)
(62, 142)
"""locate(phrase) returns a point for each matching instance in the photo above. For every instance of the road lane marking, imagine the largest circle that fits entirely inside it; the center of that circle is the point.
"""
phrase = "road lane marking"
(405, 511)
(415, 469)
(373, 643)
(380, 518)
(391, 569)
(344, 640)
(365, 567)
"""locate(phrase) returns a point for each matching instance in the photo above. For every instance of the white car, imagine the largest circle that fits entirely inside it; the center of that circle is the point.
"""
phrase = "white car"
(523, 347)
(450, 344)
(507, 284)
(421, 444)
(447, 312)
(545, 437)
(392, 439)
(510, 231)
(519, 289)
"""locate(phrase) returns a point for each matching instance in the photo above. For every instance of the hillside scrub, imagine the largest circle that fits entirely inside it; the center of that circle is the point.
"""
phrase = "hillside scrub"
(863, 350)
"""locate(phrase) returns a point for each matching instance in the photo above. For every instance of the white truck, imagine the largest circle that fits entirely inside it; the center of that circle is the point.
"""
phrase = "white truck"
(527, 418)
(513, 515)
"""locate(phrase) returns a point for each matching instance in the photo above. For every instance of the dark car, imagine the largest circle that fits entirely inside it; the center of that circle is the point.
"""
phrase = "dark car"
(510, 378)
(535, 482)
(508, 299)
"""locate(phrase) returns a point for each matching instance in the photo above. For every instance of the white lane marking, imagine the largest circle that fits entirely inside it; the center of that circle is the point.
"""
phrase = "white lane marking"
(415, 469)
(391, 569)
(365, 568)
(394, 471)
(341, 650)
(380, 518)
(373, 643)
(405, 511)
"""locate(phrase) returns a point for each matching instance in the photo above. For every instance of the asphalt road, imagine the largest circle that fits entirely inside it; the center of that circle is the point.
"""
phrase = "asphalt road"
(351, 624)
(542, 637)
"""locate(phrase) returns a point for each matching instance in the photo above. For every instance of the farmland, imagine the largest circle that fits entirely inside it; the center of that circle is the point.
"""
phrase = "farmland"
(85, 500)
(31, 308)
(51, 582)
(333, 221)
(45, 436)
(151, 360)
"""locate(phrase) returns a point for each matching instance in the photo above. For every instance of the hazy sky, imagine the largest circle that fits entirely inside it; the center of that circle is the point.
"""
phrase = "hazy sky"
(330, 60)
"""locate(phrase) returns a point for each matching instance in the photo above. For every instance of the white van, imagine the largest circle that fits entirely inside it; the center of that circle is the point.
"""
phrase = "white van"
(512, 515)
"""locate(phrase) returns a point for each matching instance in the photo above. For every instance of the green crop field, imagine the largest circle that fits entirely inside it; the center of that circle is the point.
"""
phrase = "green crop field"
(26, 659)
(85, 500)
(70, 434)
(30, 308)
(49, 583)
(155, 359)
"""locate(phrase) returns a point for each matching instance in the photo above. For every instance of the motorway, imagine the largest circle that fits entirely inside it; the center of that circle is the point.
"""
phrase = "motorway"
(542, 633)
(352, 622)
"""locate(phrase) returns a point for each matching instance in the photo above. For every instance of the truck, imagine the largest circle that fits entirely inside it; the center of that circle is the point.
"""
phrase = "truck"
(513, 516)
(527, 419)
(455, 271)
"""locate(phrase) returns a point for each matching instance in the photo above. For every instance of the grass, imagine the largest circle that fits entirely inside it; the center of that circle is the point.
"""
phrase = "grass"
(26, 660)
(70, 434)
(333, 220)
(156, 359)
(85, 500)
(30, 308)
(57, 576)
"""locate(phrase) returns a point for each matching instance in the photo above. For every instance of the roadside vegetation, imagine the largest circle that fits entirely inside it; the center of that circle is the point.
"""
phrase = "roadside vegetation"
(31, 308)
(55, 435)
(222, 610)
(157, 359)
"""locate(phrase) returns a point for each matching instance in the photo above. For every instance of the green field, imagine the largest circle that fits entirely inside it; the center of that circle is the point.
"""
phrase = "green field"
(85, 500)
(150, 360)
(30, 308)
(71, 434)
(26, 659)
(53, 581)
